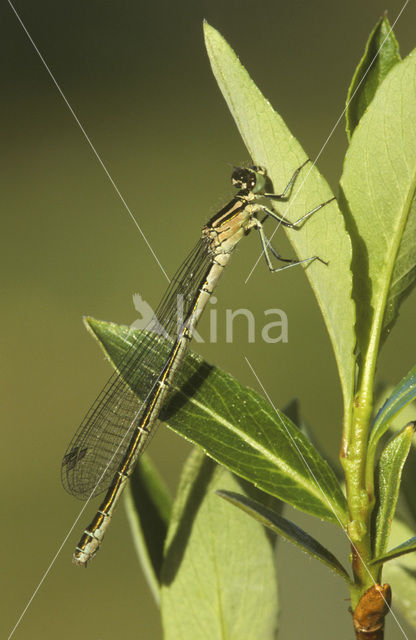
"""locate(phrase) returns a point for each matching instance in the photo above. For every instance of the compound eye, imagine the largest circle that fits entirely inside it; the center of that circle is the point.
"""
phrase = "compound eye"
(238, 176)
(242, 178)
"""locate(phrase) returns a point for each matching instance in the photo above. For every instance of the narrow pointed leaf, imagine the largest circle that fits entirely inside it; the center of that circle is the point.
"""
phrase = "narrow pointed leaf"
(389, 475)
(272, 145)
(292, 411)
(380, 55)
(239, 429)
(402, 549)
(400, 572)
(409, 481)
(286, 529)
(219, 577)
(400, 397)
(148, 507)
(378, 183)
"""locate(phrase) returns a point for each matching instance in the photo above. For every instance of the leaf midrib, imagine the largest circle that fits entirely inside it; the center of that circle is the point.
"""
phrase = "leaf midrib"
(254, 444)
(386, 282)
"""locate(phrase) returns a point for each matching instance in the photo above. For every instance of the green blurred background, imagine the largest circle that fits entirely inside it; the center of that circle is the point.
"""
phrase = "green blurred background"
(138, 78)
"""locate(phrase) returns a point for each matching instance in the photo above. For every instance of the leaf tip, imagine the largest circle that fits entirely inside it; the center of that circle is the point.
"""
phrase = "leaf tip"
(90, 323)
(411, 425)
(207, 28)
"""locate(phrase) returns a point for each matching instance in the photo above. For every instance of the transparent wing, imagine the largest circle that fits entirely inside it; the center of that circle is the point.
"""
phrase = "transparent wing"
(100, 443)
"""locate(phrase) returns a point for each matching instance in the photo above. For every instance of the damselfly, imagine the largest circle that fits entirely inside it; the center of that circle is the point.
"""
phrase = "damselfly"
(105, 449)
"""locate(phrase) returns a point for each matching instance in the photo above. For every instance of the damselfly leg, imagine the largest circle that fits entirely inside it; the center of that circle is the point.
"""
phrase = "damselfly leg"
(267, 247)
(291, 262)
(282, 197)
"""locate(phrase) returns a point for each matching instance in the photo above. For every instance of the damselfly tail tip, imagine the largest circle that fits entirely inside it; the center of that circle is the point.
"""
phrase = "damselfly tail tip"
(80, 558)
(78, 562)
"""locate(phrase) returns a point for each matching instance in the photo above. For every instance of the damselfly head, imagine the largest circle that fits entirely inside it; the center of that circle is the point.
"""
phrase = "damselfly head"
(249, 179)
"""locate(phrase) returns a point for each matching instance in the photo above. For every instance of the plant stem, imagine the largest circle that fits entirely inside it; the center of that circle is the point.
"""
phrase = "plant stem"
(360, 493)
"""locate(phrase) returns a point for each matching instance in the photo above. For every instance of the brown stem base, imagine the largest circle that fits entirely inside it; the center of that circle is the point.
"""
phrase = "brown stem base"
(370, 612)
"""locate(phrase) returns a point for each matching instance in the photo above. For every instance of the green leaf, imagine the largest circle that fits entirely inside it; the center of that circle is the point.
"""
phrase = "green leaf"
(273, 146)
(286, 529)
(292, 411)
(400, 572)
(378, 183)
(402, 549)
(408, 484)
(238, 428)
(389, 475)
(401, 396)
(148, 507)
(380, 55)
(219, 578)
